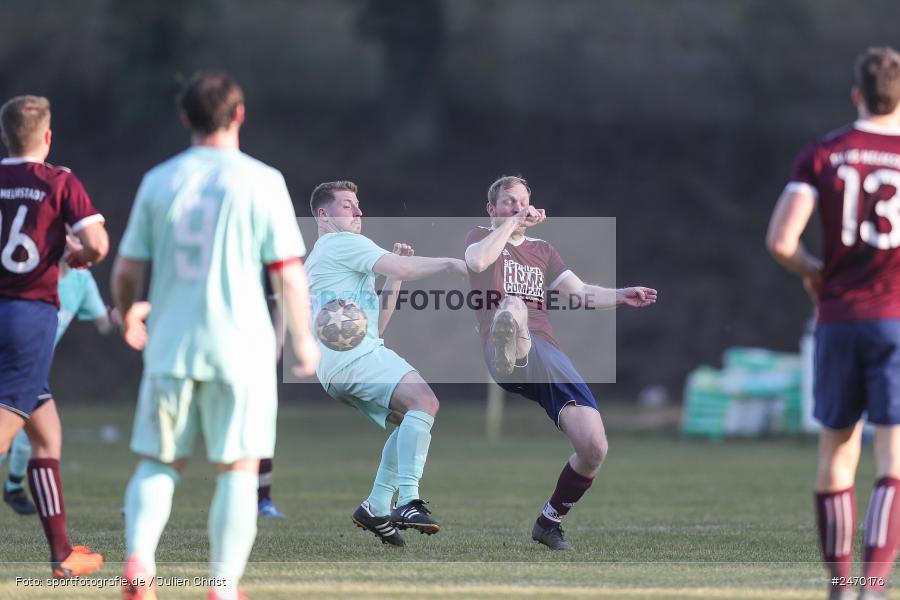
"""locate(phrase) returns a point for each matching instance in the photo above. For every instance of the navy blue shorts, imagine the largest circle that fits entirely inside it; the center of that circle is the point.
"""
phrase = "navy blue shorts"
(27, 333)
(857, 370)
(546, 376)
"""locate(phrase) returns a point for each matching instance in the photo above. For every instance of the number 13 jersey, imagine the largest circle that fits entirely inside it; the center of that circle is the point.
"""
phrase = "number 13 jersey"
(37, 200)
(854, 174)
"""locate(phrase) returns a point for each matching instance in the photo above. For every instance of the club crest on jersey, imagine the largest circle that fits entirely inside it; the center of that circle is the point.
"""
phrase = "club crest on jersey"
(523, 280)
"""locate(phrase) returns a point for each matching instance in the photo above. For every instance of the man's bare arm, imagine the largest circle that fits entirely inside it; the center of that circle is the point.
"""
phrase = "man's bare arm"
(92, 248)
(789, 219)
(105, 325)
(292, 293)
(389, 293)
(391, 290)
(412, 268)
(598, 297)
(485, 252)
(127, 286)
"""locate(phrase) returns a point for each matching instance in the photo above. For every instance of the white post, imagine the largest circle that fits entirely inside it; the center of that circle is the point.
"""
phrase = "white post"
(494, 413)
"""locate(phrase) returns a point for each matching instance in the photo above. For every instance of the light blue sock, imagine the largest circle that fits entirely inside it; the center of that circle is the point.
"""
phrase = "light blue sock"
(232, 529)
(385, 479)
(413, 439)
(148, 502)
(18, 461)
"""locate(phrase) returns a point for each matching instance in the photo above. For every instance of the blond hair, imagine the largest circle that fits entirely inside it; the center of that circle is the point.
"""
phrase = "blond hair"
(503, 184)
(24, 119)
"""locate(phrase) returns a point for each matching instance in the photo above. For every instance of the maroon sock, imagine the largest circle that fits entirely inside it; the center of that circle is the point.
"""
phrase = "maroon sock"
(46, 489)
(882, 536)
(569, 489)
(265, 480)
(836, 517)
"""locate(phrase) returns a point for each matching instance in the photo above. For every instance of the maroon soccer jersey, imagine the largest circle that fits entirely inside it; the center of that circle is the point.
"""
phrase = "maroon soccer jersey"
(855, 174)
(36, 201)
(528, 269)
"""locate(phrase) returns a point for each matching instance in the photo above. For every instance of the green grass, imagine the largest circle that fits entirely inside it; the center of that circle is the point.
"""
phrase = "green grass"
(667, 517)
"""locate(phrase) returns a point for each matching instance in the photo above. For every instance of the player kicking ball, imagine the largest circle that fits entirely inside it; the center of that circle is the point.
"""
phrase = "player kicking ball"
(521, 353)
(361, 371)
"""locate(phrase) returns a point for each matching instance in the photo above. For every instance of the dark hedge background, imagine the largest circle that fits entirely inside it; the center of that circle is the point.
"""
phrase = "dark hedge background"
(679, 117)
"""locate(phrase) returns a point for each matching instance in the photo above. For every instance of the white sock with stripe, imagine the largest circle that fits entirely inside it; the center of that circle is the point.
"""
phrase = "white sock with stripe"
(882, 533)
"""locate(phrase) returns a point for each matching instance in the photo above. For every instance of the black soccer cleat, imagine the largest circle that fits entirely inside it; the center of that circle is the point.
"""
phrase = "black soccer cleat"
(553, 537)
(503, 333)
(382, 527)
(19, 501)
(414, 515)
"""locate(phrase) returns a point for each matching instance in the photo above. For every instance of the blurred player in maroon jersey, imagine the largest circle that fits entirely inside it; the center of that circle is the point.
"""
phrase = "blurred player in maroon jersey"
(37, 201)
(853, 176)
(521, 353)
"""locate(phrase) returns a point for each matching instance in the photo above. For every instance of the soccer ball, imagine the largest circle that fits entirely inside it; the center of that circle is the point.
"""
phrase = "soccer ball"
(341, 325)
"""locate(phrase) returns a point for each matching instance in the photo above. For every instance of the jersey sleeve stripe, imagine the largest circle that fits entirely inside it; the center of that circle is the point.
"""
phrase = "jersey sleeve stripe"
(279, 265)
(801, 187)
(89, 220)
(559, 279)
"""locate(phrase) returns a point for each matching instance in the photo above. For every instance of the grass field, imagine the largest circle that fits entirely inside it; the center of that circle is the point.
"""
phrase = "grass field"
(667, 518)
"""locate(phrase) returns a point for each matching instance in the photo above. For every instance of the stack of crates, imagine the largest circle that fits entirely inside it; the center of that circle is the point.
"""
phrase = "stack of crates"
(757, 392)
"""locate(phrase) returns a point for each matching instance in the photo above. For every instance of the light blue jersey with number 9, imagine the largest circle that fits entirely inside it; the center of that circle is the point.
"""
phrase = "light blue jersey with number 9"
(209, 220)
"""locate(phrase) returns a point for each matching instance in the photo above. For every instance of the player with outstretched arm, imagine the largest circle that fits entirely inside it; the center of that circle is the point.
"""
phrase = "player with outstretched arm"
(342, 268)
(522, 355)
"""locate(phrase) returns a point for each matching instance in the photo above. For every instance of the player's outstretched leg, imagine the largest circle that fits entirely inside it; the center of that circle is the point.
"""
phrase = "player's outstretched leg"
(835, 502)
(509, 334)
(232, 525)
(148, 503)
(882, 529)
(45, 433)
(584, 428)
(416, 401)
(265, 506)
(14, 487)
(374, 514)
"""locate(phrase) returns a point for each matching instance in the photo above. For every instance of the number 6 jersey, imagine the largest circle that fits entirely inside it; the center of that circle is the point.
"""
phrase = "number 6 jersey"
(37, 200)
(854, 174)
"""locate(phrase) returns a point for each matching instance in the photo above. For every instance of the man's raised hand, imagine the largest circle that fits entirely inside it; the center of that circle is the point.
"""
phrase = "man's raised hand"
(403, 249)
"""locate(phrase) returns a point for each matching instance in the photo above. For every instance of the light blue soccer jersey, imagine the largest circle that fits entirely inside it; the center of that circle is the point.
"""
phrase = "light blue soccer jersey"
(208, 220)
(340, 266)
(78, 297)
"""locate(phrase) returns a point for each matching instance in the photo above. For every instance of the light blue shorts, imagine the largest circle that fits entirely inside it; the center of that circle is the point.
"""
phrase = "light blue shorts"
(237, 421)
(368, 383)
